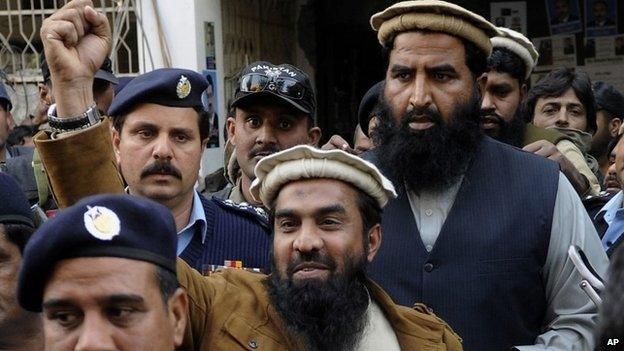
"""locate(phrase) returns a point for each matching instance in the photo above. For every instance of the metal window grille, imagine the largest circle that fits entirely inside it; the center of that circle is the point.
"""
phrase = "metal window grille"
(21, 47)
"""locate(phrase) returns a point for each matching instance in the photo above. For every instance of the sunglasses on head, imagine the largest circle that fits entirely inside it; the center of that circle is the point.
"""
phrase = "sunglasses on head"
(256, 82)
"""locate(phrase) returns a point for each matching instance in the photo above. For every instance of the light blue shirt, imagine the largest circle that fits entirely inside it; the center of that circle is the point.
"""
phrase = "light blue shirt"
(196, 220)
(614, 216)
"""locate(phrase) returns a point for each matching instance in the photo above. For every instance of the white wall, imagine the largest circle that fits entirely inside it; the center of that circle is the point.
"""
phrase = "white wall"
(182, 23)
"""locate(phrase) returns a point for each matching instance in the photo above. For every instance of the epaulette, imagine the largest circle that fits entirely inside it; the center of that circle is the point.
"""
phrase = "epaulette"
(246, 209)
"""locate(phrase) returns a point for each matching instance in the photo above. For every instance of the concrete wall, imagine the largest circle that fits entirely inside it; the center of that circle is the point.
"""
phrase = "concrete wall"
(182, 24)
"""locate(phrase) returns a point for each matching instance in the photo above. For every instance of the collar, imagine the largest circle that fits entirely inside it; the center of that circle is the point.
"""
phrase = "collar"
(611, 207)
(198, 217)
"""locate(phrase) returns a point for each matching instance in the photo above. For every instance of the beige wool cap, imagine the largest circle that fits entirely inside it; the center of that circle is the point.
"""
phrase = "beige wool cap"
(306, 162)
(519, 45)
(434, 15)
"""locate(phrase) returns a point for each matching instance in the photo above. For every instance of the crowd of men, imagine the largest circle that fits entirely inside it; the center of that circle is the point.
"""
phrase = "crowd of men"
(447, 225)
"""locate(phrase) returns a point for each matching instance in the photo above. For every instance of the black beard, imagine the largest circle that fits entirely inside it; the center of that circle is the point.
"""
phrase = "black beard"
(511, 133)
(325, 315)
(432, 159)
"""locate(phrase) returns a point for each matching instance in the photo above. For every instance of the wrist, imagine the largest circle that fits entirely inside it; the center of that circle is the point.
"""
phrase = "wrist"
(72, 98)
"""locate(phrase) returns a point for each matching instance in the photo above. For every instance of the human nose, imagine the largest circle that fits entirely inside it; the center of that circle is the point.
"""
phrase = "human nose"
(421, 95)
(308, 239)
(95, 335)
(162, 148)
(487, 104)
(266, 135)
(562, 119)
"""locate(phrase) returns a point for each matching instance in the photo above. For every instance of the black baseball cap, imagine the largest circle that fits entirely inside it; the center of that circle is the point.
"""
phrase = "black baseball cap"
(104, 73)
(368, 103)
(284, 82)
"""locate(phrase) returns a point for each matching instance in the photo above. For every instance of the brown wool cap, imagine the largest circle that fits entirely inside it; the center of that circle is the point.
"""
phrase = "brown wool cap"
(434, 15)
(306, 162)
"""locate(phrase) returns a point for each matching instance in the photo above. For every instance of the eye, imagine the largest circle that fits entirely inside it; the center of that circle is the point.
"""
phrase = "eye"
(145, 133)
(120, 315)
(403, 76)
(254, 121)
(67, 319)
(181, 138)
(285, 124)
(441, 77)
(287, 225)
(330, 224)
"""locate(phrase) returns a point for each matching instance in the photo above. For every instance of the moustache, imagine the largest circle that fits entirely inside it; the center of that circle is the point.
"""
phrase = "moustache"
(419, 113)
(263, 151)
(310, 257)
(164, 168)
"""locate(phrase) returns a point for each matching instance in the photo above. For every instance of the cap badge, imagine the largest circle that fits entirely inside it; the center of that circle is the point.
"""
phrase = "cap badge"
(183, 89)
(101, 222)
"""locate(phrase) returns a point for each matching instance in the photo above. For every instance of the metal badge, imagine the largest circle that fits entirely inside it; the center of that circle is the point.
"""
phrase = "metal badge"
(101, 222)
(183, 89)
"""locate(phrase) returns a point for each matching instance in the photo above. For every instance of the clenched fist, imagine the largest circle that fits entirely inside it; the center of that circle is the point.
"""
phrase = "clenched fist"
(76, 40)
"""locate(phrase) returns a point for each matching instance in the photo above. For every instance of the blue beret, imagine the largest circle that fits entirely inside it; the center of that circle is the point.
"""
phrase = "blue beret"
(117, 225)
(608, 98)
(166, 86)
(4, 95)
(17, 209)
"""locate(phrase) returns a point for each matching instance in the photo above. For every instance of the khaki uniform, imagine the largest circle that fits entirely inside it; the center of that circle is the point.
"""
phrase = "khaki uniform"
(230, 310)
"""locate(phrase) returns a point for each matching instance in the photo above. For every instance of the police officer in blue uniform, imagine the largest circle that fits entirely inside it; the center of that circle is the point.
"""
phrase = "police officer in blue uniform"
(158, 139)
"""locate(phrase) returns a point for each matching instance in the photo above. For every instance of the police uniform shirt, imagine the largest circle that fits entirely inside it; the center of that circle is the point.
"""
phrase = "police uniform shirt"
(197, 222)
(613, 215)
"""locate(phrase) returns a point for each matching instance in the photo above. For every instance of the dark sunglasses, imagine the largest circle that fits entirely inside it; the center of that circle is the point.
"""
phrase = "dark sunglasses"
(255, 82)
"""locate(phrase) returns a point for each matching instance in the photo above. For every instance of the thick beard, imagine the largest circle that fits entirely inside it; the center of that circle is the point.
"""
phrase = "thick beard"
(323, 315)
(511, 133)
(435, 158)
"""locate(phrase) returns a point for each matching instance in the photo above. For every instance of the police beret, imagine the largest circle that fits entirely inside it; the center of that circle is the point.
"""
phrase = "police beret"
(4, 96)
(172, 87)
(14, 207)
(609, 98)
(306, 162)
(117, 225)
(368, 103)
(434, 15)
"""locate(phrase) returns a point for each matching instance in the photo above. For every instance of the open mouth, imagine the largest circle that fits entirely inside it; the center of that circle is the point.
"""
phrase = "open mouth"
(421, 123)
(309, 270)
(489, 122)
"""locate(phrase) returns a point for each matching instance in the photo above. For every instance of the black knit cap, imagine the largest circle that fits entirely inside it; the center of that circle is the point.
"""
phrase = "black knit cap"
(608, 98)
(116, 225)
(14, 207)
(368, 103)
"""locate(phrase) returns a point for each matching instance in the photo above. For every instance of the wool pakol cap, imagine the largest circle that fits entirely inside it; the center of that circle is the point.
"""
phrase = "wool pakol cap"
(519, 45)
(116, 225)
(306, 162)
(172, 87)
(434, 15)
